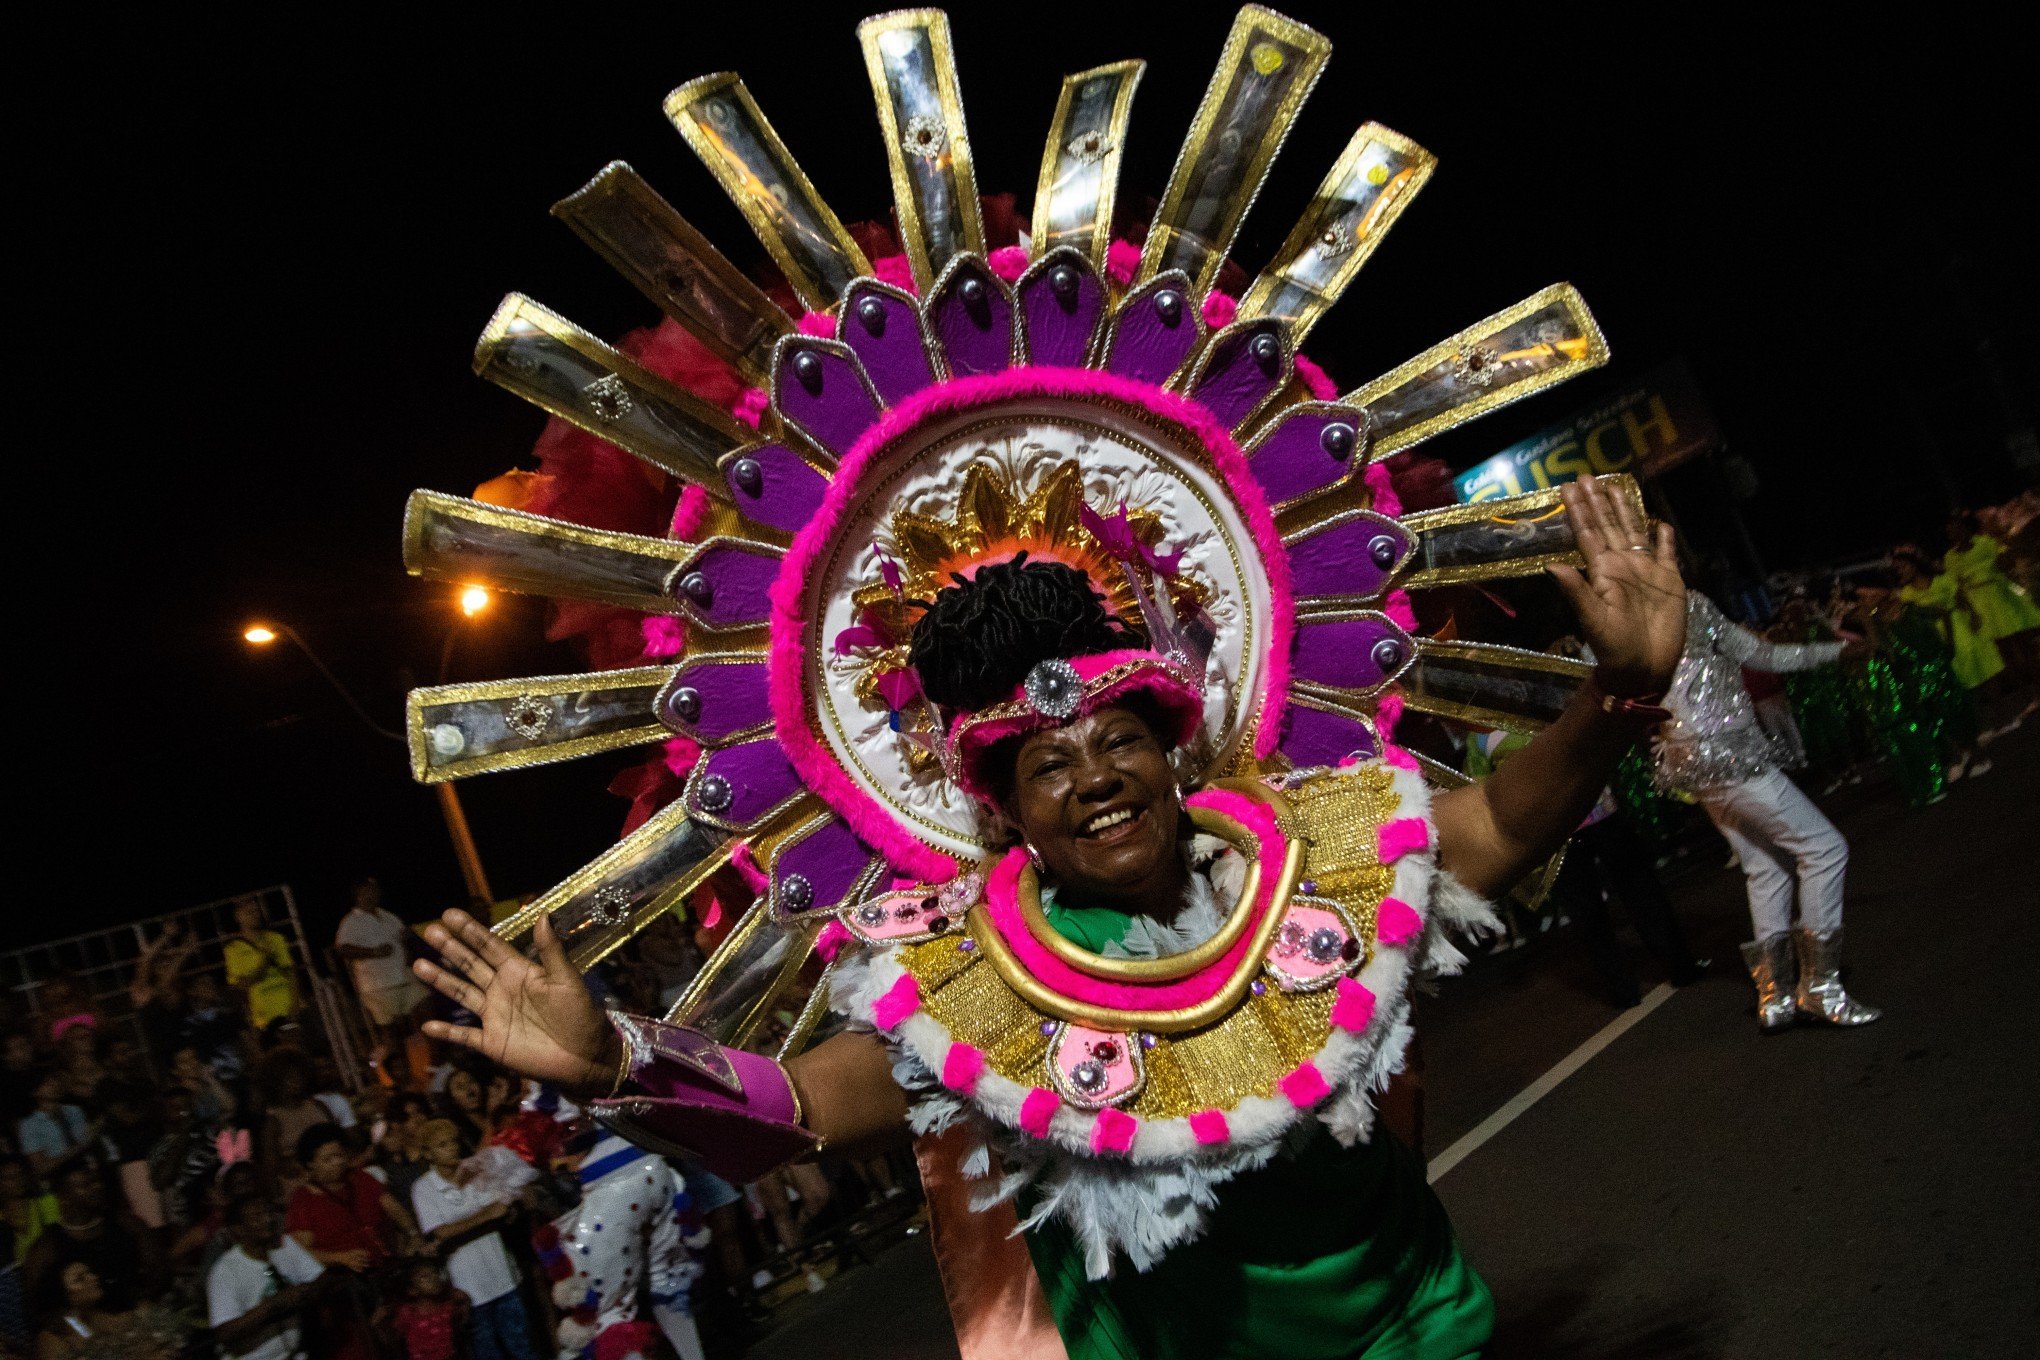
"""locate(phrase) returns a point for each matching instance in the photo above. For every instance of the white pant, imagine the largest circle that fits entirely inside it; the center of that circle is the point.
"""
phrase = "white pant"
(1779, 834)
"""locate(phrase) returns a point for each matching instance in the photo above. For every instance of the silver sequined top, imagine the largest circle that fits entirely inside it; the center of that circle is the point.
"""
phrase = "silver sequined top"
(1713, 738)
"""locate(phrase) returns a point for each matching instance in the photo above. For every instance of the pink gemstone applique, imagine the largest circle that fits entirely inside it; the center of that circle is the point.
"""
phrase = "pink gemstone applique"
(1095, 1068)
(896, 918)
(1314, 946)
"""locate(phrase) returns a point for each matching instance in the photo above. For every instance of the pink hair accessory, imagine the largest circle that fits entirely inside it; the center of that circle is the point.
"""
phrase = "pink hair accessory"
(1098, 681)
(1220, 309)
(1387, 714)
(1114, 1131)
(1353, 1011)
(1209, 1127)
(1402, 836)
(818, 324)
(1037, 1111)
(1397, 758)
(899, 1002)
(962, 1067)
(1396, 922)
(745, 861)
(1305, 1086)
(681, 755)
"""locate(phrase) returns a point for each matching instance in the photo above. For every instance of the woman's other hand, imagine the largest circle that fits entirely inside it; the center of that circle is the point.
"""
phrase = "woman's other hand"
(537, 1018)
(1629, 597)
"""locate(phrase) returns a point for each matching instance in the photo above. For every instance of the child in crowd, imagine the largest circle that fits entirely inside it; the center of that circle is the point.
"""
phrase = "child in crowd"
(433, 1314)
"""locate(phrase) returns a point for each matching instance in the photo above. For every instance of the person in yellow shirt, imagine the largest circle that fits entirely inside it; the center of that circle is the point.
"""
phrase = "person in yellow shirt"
(260, 966)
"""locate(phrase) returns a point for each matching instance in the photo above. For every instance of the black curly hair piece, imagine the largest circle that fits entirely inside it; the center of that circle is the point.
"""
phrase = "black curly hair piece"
(980, 637)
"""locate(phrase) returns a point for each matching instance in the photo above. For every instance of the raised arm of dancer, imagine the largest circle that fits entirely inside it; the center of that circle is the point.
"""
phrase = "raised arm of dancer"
(1632, 610)
(538, 1020)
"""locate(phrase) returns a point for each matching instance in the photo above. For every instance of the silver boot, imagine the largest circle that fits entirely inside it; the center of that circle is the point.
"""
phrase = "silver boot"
(1819, 995)
(1770, 963)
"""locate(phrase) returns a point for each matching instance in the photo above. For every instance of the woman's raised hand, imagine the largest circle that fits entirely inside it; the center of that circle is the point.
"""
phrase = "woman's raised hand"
(537, 1017)
(1630, 599)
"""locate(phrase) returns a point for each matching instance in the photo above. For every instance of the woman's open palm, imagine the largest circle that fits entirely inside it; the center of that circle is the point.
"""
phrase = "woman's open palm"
(1630, 599)
(537, 1017)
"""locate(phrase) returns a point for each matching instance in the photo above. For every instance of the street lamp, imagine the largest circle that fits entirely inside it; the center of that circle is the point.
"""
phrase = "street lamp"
(262, 635)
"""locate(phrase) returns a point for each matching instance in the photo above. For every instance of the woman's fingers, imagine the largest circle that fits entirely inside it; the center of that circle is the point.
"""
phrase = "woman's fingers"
(552, 955)
(452, 986)
(1634, 532)
(478, 937)
(465, 1035)
(460, 956)
(1667, 552)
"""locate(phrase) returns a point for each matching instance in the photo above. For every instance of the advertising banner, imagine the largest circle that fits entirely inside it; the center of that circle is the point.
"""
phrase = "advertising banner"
(1655, 424)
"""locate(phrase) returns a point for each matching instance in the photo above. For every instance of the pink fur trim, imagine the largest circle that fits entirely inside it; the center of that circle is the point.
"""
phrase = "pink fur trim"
(962, 1067)
(899, 1002)
(832, 939)
(691, 512)
(1399, 610)
(1220, 309)
(1122, 258)
(1209, 1126)
(1008, 262)
(1387, 714)
(751, 405)
(682, 754)
(1002, 907)
(1037, 1111)
(895, 270)
(745, 862)
(1397, 758)
(1114, 1131)
(1396, 922)
(1402, 836)
(819, 324)
(1316, 381)
(664, 635)
(1305, 1086)
(810, 756)
(1354, 1009)
(1381, 491)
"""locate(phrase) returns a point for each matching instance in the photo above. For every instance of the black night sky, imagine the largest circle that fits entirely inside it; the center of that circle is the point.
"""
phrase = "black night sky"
(260, 250)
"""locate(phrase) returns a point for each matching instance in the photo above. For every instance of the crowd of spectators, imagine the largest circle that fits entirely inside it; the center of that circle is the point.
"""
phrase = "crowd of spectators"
(215, 1187)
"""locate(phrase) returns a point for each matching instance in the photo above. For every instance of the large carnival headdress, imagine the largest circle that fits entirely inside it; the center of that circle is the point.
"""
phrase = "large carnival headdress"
(1079, 398)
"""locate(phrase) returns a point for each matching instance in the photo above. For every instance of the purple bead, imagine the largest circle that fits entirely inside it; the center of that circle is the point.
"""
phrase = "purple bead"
(965, 946)
(1258, 987)
(1309, 887)
(1148, 1041)
(1048, 1027)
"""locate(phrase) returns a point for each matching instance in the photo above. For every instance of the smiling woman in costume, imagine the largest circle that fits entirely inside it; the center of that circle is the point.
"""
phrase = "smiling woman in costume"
(1228, 962)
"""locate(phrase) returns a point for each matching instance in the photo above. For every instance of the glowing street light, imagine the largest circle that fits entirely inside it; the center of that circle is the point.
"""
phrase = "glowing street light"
(474, 600)
(259, 634)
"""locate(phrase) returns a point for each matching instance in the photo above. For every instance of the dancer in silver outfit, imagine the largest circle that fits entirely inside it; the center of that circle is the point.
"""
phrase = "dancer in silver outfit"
(1715, 750)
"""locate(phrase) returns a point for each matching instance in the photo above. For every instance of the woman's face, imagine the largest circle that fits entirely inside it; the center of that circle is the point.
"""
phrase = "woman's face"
(81, 1286)
(463, 1090)
(1097, 801)
(248, 915)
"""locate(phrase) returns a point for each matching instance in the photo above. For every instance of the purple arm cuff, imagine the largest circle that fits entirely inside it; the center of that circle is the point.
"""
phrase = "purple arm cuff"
(734, 1112)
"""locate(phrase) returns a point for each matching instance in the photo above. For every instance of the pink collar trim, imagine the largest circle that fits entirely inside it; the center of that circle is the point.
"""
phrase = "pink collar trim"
(1002, 905)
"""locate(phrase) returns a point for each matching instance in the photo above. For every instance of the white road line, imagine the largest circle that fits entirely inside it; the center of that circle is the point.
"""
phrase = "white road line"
(1544, 1085)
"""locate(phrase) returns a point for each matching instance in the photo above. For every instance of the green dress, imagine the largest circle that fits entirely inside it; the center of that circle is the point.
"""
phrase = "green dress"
(1923, 716)
(1976, 657)
(1329, 1252)
(2001, 608)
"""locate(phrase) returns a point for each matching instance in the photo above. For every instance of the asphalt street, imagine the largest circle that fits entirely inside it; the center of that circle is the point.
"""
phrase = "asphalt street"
(1695, 1190)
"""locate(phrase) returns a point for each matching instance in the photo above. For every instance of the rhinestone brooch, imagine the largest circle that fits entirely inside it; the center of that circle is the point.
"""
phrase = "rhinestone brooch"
(1054, 689)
